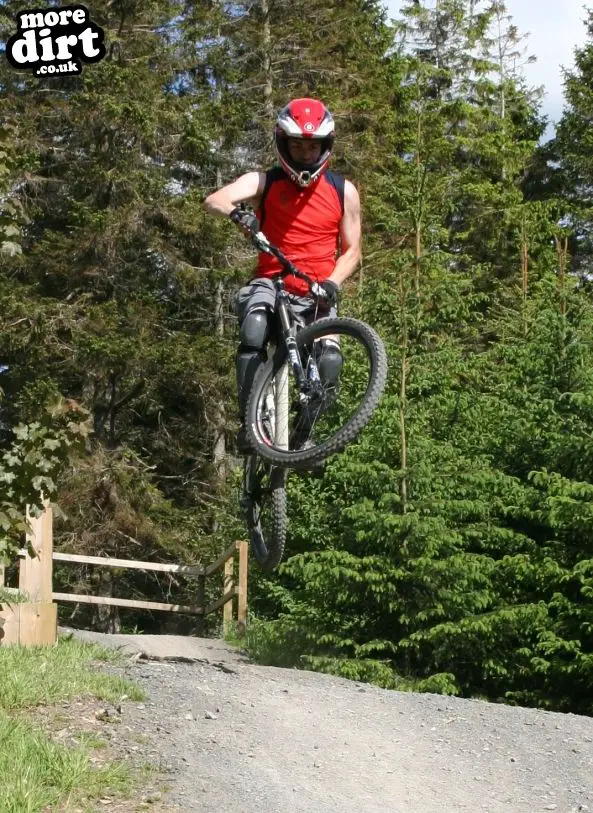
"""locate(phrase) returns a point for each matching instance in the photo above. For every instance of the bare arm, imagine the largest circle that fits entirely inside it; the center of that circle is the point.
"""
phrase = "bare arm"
(248, 187)
(350, 231)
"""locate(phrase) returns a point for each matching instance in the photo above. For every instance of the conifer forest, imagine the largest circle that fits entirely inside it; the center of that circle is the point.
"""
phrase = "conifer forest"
(449, 549)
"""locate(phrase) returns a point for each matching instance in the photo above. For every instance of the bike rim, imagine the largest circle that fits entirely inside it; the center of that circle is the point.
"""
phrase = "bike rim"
(344, 363)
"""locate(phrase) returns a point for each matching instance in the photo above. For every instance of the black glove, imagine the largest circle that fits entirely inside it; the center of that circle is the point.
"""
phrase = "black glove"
(247, 220)
(328, 290)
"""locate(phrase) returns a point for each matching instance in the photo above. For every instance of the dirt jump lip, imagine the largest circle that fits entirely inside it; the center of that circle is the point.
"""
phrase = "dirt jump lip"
(179, 648)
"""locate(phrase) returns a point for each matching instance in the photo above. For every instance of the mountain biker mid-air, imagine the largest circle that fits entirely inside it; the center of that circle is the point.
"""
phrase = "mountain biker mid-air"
(313, 216)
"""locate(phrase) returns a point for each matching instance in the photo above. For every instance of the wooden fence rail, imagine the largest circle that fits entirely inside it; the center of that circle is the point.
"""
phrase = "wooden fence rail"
(35, 620)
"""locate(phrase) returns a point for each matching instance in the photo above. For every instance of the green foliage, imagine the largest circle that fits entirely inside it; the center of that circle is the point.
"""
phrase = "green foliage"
(380, 674)
(10, 211)
(8, 597)
(569, 156)
(30, 467)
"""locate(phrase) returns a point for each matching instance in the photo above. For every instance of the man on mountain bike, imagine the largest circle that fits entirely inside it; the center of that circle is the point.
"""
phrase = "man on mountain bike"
(313, 216)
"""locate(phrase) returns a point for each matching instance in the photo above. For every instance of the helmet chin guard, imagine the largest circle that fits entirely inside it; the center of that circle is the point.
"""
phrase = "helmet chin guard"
(308, 119)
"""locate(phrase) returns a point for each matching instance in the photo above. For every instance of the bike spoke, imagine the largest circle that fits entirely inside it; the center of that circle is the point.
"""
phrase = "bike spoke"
(339, 371)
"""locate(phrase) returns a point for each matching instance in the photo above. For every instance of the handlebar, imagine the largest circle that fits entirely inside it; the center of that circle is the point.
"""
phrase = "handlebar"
(250, 226)
(261, 242)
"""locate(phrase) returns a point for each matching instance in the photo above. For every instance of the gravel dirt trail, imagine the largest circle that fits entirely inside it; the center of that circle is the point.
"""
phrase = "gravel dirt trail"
(234, 736)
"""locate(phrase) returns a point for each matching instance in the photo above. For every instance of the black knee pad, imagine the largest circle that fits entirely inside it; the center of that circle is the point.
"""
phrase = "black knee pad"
(247, 363)
(255, 329)
(329, 361)
(251, 353)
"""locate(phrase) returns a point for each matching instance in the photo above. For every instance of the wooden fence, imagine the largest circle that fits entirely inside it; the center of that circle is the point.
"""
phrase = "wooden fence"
(34, 621)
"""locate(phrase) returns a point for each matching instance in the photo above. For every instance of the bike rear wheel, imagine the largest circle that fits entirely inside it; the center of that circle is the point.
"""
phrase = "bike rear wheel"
(265, 484)
(264, 506)
(335, 411)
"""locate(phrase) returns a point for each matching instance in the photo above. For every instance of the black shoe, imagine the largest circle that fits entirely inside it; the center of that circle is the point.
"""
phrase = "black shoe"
(242, 442)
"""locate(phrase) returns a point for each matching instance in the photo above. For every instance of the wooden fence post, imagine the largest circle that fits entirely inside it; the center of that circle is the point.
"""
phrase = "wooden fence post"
(36, 571)
(34, 622)
(227, 612)
(242, 592)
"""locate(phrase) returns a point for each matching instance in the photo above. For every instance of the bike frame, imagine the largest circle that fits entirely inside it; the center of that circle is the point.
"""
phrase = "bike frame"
(286, 323)
(281, 397)
(288, 335)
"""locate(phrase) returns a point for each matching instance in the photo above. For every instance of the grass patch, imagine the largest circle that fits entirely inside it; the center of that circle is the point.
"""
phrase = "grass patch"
(89, 739)
(232, 635)
(31, 676)
(38, 775)
(272, 643)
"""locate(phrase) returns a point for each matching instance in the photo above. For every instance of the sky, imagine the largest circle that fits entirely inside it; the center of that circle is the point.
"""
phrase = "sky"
(555, 27)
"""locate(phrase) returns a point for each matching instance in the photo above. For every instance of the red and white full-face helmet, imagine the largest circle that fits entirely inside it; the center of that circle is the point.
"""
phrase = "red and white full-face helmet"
(306, 119)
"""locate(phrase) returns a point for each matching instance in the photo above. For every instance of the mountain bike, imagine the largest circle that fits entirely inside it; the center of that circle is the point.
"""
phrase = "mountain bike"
(298, 414)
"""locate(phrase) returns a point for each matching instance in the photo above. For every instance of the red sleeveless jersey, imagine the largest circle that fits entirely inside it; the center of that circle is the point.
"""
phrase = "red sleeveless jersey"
(304, 224)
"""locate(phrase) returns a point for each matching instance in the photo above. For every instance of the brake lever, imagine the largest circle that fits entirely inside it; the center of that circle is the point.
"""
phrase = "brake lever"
(318, 291)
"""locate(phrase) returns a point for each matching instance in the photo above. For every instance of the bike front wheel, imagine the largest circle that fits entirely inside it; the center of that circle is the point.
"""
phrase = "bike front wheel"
(346, 365)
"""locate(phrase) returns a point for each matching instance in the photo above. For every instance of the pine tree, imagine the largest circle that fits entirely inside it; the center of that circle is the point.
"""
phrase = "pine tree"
(422, 561)
(570, 154)
(108, 302)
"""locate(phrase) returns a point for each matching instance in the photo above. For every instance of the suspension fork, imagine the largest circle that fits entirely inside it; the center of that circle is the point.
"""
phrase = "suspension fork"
(289, 338)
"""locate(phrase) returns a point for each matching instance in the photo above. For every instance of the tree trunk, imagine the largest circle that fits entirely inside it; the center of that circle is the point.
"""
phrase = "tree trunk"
(106, 618)
(219, 415)
(502, 91)
(418, 214)
(403, 392)
(562, 254)
(267, 63)
(524, 270)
